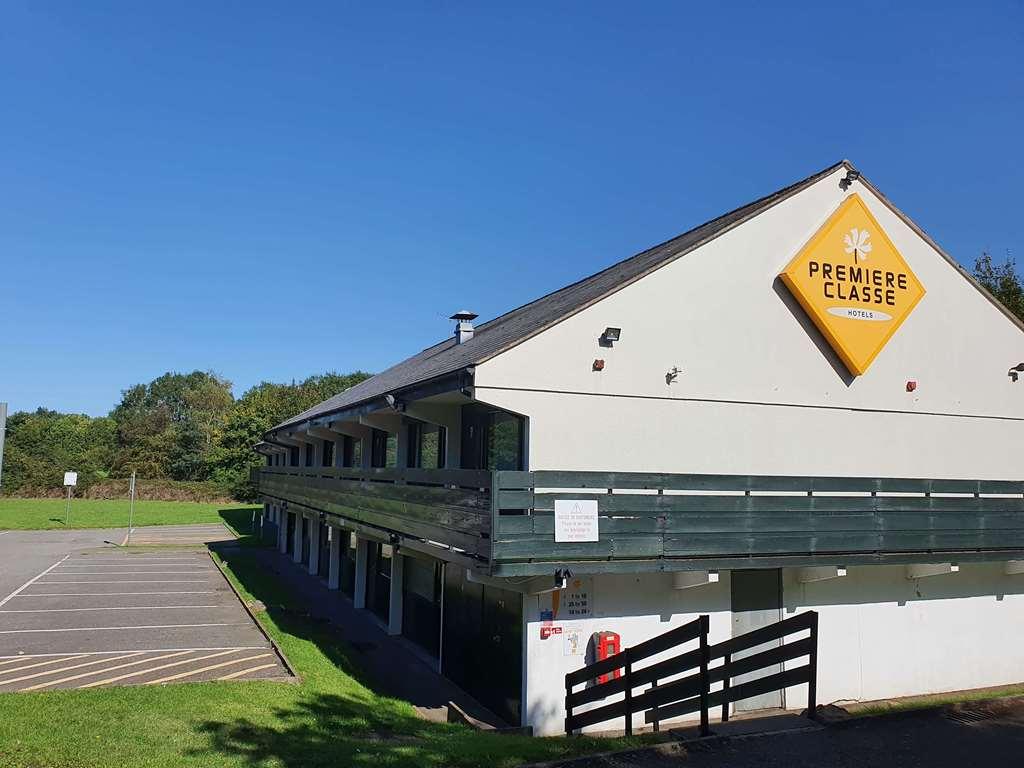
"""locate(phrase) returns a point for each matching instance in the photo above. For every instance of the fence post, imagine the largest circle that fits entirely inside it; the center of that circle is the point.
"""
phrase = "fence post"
(704, 683)
(628, 674)
(656, 722)
(726, 662)
(568, 705)
(812, 683)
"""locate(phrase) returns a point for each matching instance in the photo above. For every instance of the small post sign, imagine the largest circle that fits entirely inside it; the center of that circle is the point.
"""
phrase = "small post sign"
(70, 481)
(576, 520)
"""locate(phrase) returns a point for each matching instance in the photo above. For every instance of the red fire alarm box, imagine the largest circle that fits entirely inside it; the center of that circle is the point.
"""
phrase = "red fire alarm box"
(607, 644)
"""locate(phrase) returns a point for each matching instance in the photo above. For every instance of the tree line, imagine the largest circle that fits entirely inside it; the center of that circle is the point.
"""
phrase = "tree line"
(180, 427)
(189, 427)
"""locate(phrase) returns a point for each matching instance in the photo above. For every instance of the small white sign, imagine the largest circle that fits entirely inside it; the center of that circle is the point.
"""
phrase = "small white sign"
(70, 479)
(576, 520)
(573, 643)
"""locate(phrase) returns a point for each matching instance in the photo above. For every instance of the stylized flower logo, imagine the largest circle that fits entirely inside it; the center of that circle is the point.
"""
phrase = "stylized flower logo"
(857, 244)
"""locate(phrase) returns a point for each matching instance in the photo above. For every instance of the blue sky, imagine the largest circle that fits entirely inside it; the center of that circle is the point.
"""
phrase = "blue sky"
(271, 190)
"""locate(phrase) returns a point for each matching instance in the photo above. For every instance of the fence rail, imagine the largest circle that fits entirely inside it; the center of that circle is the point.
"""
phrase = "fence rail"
(692, 692)
(715, 520)
(504, 520)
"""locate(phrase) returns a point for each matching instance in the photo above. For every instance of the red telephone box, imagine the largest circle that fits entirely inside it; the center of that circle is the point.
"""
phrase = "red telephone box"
(607, 644)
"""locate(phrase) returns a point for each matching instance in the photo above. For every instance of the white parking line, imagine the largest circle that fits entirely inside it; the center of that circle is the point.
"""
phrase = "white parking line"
(134, 581)
(64, 657)
(155, 669)
(115, 608)
(241, 672)
(137, 650)
(205, 669)
(105, 594)
(32, 581)
(103, 671)
(136, 572)
(66, 669)
(111, 629)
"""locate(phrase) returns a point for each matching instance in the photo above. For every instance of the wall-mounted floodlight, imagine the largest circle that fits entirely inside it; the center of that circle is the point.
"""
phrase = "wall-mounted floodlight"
(610, 336)
(852, 174)
(1014, 373)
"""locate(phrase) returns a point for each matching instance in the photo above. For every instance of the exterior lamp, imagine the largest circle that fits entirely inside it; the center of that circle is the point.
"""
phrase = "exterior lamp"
(610, 336)
(852, 175)
(1014, 373)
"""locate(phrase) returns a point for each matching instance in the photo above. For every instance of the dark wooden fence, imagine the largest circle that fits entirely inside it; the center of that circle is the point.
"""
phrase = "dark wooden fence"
(692, 692)
(741, 521)
(448, 506)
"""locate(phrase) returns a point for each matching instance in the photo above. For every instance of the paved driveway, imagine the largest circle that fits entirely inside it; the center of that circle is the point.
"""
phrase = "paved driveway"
(86, 616)
(970, 735)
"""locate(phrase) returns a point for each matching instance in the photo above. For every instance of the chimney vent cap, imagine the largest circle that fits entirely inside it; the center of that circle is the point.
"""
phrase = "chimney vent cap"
(464, 314)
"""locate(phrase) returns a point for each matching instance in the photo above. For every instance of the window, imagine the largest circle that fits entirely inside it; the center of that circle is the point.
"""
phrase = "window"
(270, 460)
(293, 455)
(383, 449)
(309, 454)
(491, 439)
(328, 454)
(427, 445)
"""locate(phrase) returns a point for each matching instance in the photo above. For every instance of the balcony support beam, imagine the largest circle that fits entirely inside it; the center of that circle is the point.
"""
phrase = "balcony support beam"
(362, 552)
(314, 545)
(395, 599)
(334, 567)
(297, 543)
(924, 570)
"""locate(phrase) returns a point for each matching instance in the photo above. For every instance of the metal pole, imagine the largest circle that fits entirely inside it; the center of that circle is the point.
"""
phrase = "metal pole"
(131, 502)
(67, 510)
(3, 429)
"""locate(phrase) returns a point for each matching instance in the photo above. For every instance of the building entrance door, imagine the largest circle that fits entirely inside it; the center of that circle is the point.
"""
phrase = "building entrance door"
(757, 602)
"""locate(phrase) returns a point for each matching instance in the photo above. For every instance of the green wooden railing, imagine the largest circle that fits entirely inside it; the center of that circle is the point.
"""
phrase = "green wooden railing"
(503, 522)
(666, 521)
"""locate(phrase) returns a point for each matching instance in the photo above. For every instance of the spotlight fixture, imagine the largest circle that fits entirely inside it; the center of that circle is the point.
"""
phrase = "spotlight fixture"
(1014, 373)
(852, 174)
(562, 576)
(610, 336)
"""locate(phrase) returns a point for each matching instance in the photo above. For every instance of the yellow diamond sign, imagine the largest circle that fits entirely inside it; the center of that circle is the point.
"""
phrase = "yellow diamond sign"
(853, 283)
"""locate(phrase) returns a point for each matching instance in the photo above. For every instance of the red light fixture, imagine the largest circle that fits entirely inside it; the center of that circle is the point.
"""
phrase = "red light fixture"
(911, 386)
(598, 365)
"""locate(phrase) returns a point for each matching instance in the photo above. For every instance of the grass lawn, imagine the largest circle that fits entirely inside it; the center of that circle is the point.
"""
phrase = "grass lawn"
(36, 514)
(329, 719)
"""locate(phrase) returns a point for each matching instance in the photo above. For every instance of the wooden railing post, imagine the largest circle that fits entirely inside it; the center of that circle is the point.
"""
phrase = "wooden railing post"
(568, 706)
(812, 683)
(628, 674)
(704, 681)
(656, 723)
(726, 662)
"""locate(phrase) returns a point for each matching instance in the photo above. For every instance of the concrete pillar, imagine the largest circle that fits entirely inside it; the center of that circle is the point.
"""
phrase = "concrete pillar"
(282, 533)
(297, 549)
(395, 603)
(367, 450)
(402, 444)
(334, 569)
(314, 546)
(362, 555)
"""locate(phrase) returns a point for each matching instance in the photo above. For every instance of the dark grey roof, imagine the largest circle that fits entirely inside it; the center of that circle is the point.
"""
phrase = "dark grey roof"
(512, 328)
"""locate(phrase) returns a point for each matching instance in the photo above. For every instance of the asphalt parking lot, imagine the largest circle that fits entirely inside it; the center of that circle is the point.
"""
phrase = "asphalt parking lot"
(89, 614)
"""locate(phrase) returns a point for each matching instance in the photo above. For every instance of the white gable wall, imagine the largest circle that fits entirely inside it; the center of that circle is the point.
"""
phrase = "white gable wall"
(760, 392)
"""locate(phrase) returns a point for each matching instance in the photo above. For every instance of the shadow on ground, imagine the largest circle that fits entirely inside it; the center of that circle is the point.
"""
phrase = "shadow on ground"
(334, 718)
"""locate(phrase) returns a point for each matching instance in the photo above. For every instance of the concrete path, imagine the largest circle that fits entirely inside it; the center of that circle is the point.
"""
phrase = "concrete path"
(88, 615)
(977, 734)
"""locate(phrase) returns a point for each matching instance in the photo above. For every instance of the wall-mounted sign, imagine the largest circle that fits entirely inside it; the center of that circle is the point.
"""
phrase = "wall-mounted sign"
(576, 599)
(573, 643)
(576, 520)
(854, 284)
